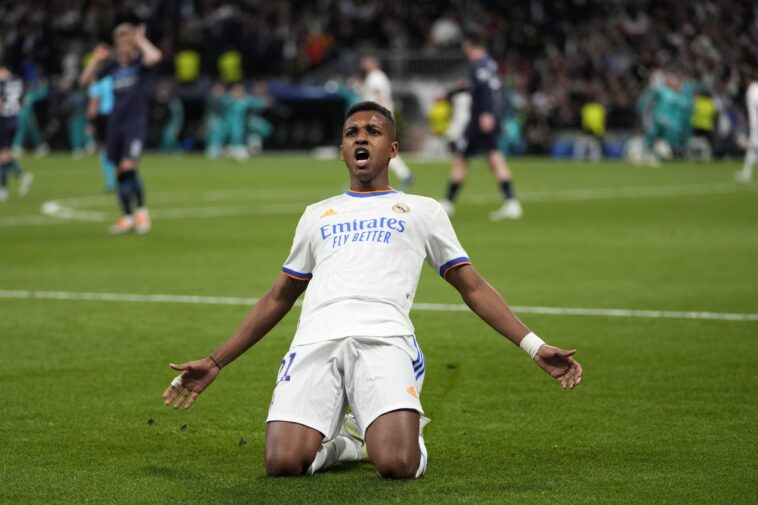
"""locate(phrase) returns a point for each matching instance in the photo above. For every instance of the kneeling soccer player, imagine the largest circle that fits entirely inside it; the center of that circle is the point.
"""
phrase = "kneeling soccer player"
(360, 255)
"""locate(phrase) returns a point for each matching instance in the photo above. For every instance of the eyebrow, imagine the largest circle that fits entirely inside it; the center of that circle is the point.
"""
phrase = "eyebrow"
(366, 125)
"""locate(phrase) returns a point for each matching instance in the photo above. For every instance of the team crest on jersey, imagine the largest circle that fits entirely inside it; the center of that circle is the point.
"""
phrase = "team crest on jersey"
(401, 208)
(330, 212)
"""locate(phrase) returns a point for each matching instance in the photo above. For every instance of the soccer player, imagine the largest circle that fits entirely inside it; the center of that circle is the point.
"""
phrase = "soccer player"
(358, 257)
(127, 123)
(483, 130)
(377, 88)
(99, 107)
(11, 91)
(751, 153)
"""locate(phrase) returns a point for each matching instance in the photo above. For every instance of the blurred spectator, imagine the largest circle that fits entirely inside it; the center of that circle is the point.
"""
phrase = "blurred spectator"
(560, 50)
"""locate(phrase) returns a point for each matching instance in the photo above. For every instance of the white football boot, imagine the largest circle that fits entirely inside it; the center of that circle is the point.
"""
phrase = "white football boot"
(448, 206)
(511, 209)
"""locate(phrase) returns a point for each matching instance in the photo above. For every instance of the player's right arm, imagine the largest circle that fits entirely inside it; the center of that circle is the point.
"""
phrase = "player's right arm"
(198, 375)
(487, 303)
(101, 53)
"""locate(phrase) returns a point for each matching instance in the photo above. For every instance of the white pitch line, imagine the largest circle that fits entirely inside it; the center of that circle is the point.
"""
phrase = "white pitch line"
(435, 307)
(66, 210)
(587, 194)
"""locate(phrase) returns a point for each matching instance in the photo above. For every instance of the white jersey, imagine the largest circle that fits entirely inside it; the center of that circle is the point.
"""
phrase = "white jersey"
(377, 88)
(363, 254)
(752, 109)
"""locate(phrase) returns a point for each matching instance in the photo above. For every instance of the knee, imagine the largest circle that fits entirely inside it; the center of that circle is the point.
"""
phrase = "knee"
(284, 466)
(397, 465)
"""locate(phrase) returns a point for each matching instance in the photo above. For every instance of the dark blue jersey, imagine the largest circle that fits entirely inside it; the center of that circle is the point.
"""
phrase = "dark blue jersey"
(485, 89)
(129, 90)
(11, 92)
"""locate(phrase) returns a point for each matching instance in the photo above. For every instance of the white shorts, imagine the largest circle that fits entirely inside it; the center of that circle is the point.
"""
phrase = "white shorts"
(373, 375)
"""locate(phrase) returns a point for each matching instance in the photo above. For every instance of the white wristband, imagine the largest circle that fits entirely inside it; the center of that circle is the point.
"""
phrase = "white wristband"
(531, 343)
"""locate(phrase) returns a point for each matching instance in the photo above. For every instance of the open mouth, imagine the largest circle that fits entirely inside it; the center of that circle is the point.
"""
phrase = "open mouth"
(361, 157)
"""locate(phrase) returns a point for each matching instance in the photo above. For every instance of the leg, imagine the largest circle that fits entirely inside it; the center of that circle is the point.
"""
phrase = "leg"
(499, 166)
(398, 166)
(383, 381)
(511, 208)
(751, 156)
(290, 448)
(393, 446)
(457, 177)
(308, 404)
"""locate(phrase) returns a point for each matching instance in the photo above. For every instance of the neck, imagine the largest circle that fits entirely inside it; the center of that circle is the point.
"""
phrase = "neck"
(379, 183)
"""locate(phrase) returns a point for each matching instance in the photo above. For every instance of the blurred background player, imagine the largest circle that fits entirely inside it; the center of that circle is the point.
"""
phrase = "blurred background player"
(751, 152)
(28, 132)
(127, 124)
(237, 106)
(215, 126)
(377, 88)
(483, 129)
(75, 104)
(167, 113)
(99, 107)
(11, 92)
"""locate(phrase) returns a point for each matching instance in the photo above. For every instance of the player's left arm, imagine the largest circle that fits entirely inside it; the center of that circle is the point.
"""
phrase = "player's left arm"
(487, 303)
(151, 55)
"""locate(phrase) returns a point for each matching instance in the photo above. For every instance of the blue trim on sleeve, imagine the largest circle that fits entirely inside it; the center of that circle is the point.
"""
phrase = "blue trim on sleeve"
(297, 275)
(463, 260)
(358, 194)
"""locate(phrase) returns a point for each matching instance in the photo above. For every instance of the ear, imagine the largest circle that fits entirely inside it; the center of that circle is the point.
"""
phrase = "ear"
(394, 149)
(342, 156)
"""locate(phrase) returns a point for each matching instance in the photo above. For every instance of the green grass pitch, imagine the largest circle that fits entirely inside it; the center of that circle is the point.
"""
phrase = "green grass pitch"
(667, 412)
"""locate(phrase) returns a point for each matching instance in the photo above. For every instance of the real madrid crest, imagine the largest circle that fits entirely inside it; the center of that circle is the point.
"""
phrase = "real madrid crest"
(401, 208)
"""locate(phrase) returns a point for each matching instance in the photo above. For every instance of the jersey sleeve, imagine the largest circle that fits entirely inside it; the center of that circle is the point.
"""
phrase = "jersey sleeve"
(483, 89)
(299, 264)
(443, 250)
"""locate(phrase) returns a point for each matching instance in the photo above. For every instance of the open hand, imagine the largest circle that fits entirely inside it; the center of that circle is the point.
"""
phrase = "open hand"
(102, 52)
(560, 365)
(195, 377)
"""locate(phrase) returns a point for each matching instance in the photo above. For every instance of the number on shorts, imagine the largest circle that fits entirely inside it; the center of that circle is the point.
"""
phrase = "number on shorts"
(285, 377)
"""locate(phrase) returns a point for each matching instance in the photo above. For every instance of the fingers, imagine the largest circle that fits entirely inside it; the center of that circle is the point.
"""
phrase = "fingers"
(572, 376)
(181, 397)
(170, 394)
(192, 399)
(179, 368)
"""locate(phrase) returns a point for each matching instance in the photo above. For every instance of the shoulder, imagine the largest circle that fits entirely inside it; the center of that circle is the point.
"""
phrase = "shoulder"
(315, 210)
(423, 204)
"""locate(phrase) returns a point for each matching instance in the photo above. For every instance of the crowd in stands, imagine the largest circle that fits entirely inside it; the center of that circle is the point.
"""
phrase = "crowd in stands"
(555, 56)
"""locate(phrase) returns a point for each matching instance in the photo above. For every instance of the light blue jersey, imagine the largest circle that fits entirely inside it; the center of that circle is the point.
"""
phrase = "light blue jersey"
(103, 90)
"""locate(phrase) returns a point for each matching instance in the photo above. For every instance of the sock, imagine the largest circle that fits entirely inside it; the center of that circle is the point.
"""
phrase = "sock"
(507, 187)
(138, 190)
(398, 166)
(125, 190)
(109, 171)
(327, 455)
(452, 190)
(422, 464)
(751, 156)
(5, 169)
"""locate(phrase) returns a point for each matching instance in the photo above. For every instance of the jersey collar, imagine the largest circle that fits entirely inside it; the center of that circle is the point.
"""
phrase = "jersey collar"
(369, 194)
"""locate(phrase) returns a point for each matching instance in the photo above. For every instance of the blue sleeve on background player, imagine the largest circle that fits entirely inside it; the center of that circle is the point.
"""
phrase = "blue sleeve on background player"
(483, 92)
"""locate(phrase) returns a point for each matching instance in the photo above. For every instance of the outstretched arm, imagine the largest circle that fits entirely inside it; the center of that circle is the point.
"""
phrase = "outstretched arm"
(101, 53)
(492, 308)
(198, 375)
(151, 55)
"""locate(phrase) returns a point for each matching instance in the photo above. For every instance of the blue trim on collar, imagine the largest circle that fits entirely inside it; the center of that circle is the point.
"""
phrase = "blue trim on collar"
(357, 194)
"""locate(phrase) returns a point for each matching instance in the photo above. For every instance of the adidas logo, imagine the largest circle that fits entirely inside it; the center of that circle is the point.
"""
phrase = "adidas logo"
(330, 212)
